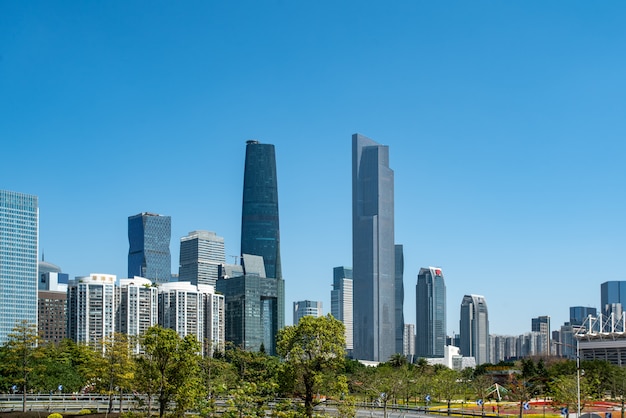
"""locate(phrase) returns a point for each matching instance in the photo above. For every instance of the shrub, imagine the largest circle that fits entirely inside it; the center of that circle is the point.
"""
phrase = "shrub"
(84, 412)
(55, 415)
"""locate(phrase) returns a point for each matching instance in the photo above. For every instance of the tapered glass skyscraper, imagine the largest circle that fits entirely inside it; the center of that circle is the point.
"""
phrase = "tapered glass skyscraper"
(373, 251)
(260, 233)
(149, 247)
(19, 237)
(430, 309)
(474, 326)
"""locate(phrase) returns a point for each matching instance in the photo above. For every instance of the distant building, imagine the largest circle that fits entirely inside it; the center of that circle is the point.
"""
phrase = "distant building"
(578, 314)
(541, 325)
(430, 304)
(52, 311)
(91, 308)
(52, 302)
(193, 310)
(306, 308)
(19, 240)
(253, 305)
(136, 307)
(341, 301)
(408, 339)
(149, 247)
(399, 289)
(613, 297)
(373, 251)
(474, 328)
(201, 254)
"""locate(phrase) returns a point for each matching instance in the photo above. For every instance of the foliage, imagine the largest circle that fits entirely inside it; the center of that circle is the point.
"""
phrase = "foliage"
(169, 369)
(311, 348)
(19, 359)
(55, 415)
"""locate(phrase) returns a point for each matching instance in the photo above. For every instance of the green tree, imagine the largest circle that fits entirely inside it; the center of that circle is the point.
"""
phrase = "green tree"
(116, 367)
(20, 357)
(168, 368)
(312, 347)
(446, 385)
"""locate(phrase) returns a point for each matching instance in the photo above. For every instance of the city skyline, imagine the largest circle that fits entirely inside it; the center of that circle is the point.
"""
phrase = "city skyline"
(505, 124)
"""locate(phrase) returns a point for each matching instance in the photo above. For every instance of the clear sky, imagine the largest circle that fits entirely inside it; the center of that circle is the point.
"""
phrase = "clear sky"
(505, 121)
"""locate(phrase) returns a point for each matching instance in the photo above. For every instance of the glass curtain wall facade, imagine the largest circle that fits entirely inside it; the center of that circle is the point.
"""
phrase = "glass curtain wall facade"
(149, 247)
(253, 306)
(399, 274)
(430, 308)
(260, 233)
(201, 254)
(613, 293)
(474, 328)
(19, 239)
(306, 308)
(373, 251)
(341, 301)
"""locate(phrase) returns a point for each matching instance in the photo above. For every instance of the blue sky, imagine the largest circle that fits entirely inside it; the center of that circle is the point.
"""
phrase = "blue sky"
(505, 122)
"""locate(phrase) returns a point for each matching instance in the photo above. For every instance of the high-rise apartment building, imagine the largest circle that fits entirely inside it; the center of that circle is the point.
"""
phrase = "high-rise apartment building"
(399, 288)
(52, 314)
(193, 310)
(136, 307)
(253, 304)
(201, 254)
(19, 239)
(541, 325)
(306, 308)
(408, 339)
(52, 302)
(91, 308)
(430, 309)
(341, 301)
(474, 328)
(149, 247)
(373, 251)
(260, 232)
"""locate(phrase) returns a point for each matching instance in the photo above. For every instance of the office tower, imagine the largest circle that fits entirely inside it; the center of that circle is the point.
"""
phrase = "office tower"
(253, 304)
(399, 288)
(613, 293)
(306, 308)
(149, 247)
(541, 325)
(373, 251)
(137, 309)
(341, 301)
(201, 254)
(19, 238)
(578, 314)
(430, 309)
(193, 310)
(408, 339)
(52, 302)
(260, 232)
(91, 309)
(474, 326)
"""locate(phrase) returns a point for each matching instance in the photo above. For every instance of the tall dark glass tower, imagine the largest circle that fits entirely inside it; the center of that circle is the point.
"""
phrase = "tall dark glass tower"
(260, 234)
(373, 251)
(399, 274)
(430, 310)
(149, 247)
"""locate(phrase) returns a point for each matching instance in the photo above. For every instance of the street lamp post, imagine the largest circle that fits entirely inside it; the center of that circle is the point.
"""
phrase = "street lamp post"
(578, 377)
